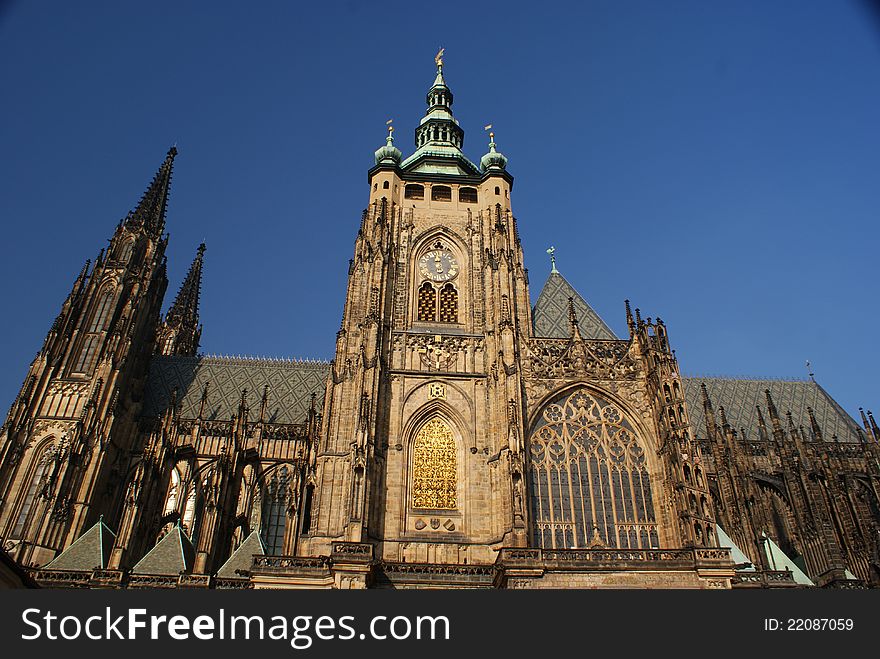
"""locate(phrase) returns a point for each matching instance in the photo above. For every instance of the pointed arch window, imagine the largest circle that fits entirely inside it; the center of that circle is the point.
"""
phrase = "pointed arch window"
(427, 302)
(37, 478)
(588, 476)
(97, 324)
(448, 304)
(275, 504)
(435, 470)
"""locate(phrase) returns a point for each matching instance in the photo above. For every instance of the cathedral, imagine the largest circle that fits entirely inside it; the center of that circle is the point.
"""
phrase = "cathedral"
(461, 437)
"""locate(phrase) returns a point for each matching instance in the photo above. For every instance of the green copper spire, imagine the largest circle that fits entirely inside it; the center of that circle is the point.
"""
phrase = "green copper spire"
(439, 139)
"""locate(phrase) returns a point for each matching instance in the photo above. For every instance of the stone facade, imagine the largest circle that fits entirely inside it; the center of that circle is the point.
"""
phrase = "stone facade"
(459, 438)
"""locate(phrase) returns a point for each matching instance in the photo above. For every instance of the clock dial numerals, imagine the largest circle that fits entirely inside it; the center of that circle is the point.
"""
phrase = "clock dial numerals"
(438, 265)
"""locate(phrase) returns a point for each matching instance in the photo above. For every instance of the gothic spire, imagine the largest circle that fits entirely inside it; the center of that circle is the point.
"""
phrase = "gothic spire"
(181, 331)
(150, 211)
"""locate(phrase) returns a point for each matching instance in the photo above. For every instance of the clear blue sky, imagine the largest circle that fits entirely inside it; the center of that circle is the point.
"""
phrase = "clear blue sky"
(716, 163)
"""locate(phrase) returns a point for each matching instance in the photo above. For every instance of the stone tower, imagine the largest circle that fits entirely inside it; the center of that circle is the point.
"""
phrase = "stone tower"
(422, 437)
(68, 435)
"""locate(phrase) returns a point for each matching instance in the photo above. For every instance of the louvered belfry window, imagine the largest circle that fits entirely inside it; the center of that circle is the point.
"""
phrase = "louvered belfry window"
(427, 302)
(589, 477)
(448, 304)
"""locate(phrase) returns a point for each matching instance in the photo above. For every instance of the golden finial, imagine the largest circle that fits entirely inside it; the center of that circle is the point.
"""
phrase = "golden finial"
(438, 60)
(390, 127)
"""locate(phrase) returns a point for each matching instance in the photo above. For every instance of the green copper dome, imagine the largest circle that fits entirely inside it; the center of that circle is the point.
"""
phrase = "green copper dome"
(389, 152)
(494, 159)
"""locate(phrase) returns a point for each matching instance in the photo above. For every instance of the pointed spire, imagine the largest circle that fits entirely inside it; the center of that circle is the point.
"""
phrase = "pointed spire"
(864, 420)
(631, 324)
(814, 425)
(552, 252)
(762, 426)
(182, 319)
(874, 429)
(573, 319)
(150, 211)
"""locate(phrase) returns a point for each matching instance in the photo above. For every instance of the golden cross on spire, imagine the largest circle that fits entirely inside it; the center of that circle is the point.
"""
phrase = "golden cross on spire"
(438, 59)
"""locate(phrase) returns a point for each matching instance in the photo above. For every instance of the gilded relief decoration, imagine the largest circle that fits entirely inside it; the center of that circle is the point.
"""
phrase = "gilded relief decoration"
(434, 477)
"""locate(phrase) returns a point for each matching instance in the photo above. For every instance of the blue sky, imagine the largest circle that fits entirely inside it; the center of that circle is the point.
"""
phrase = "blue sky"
(716, 163)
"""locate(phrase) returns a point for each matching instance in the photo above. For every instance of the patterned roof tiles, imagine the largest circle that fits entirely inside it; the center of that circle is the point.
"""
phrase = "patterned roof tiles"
(291, 385)
(550, 313)
(740, 397)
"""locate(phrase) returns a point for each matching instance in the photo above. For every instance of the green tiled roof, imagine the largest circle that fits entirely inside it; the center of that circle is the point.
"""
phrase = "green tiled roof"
(91, 550)
(172, 555)
(242, 558)
(740, 397)
(550, 313)
(291, 384)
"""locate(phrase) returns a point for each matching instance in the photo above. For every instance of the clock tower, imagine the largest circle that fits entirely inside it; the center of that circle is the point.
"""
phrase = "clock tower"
(421, 449)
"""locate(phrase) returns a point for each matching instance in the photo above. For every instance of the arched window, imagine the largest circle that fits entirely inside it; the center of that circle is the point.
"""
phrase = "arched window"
(125, 251)
(441, 193)
(99, 321)
(385, 185)
(37, 478)
(467, 195)
(589, 477)
(427, 302)
(434, 471)
(275, 503)
(497, 190)
(448, 304)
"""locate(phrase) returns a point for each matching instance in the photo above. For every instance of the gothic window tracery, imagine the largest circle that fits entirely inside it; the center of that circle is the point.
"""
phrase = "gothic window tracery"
(589, 477)
(38, 476)
(275, 504)
(434, 471)
(99, 321)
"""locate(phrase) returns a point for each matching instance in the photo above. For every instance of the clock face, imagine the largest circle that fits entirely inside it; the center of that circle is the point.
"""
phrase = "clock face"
(438, 265)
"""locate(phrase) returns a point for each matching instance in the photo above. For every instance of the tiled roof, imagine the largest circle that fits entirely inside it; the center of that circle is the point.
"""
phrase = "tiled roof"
(291, 385)
(740, 397)
(243, 557)
(550, 313)
(172, 555)
(91, 550)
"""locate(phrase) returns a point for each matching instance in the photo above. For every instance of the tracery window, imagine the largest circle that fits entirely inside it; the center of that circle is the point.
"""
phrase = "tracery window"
(275, 504)
(38, 477)
(434, 473)
(588, 476)
(98, 323)
(448, 304)
(427, 302)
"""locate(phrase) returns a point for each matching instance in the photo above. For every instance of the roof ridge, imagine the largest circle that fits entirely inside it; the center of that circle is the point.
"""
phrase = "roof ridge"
(746, 378)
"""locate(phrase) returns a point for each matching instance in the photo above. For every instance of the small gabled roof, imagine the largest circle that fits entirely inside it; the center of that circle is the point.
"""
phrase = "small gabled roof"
(778, 560)
(550, 313)
(172, 555)
(739, 558)
(242, 558)
(89, 551)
